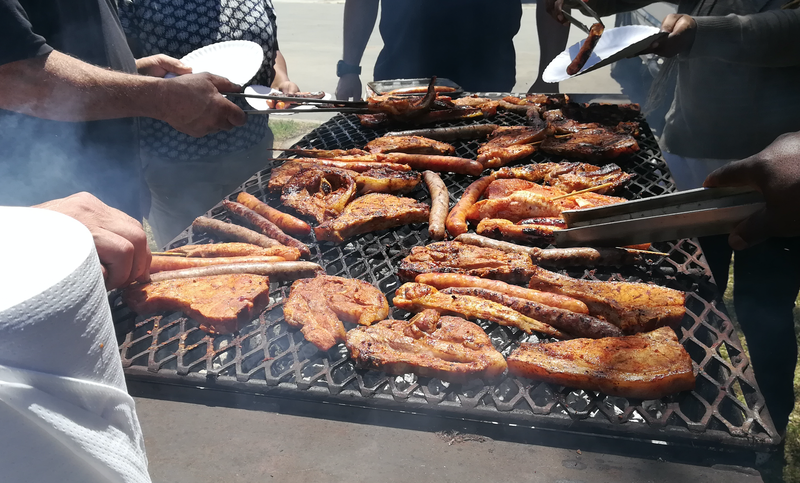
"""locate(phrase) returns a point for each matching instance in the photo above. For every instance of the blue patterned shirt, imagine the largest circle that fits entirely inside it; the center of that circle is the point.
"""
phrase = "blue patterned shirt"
(178, 27)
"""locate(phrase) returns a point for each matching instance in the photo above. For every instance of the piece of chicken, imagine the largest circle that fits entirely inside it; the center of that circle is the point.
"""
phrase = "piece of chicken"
(430, 345)
(532, 231)
(416, 297)
(372, 212)
(569, 177)
(236, 249)
(219, 303)
(457, 257)
(381, 179)
(319, 192)
(319, 305)
(511, 143)
(410, 145)
(405, 108)
(642, 366)
(633, 307)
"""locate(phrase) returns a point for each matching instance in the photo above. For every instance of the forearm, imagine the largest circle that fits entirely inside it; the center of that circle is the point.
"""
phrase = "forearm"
(281, 72)
(61, 88)
(765, 39)
(359, 21)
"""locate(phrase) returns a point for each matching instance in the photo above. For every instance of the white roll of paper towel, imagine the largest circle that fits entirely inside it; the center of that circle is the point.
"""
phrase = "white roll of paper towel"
(65, 413)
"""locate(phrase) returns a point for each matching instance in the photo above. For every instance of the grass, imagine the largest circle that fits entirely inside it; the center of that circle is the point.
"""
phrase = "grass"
(287, 130)
(791, 463)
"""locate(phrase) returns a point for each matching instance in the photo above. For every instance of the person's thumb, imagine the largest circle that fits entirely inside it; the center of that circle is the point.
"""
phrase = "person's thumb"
(753, 230)
(737, 173)
(224, 85)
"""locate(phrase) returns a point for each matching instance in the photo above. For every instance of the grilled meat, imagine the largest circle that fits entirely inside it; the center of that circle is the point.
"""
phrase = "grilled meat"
(383, 178)
(633, 307)
(449, 348)
(403, 109)
(219, 303)
(569, 177)
(456, 113)
(577, 325)
(510, 143)
(595, 31)
(643, 366)
(416, 297)
(236, 249)
(503, 188)
(319, 192)
(319, 305)
(410, 145)
(607, 114)
(534, 231)
(372, 212)
(456, 257)
(591, 145)
(327, 153)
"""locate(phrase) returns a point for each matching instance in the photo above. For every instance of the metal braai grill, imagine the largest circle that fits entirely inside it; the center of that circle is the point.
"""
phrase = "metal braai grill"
(269, 357)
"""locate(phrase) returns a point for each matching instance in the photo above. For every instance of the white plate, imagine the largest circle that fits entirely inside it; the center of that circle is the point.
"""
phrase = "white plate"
(261, 104)
(236, 60)
(615, 44)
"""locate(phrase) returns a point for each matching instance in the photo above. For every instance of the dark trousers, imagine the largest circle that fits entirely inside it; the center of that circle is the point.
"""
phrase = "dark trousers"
(766, 283)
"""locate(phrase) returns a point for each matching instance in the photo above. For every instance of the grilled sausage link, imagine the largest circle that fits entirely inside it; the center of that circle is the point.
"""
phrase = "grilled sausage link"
(457, 219)
(267, 227)
(440, 202)
(284, 221)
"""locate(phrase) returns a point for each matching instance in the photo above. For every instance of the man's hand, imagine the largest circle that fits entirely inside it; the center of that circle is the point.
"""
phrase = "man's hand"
(160, 65)
(287, 87)
(193, 104)
(554, 8)
(120, 240)
(775, 172)
(682, 30)
(349, 86)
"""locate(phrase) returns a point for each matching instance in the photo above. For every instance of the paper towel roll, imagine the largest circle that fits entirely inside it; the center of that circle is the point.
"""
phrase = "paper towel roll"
(60, 369)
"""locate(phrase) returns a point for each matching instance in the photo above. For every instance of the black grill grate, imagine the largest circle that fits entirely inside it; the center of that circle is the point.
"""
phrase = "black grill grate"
(267, 357)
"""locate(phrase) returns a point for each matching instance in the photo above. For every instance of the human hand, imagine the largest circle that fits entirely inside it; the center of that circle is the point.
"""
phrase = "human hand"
(682, 30)
(554, 8)
(349, 86)
(775, 172)
(287, 87)
(119, 239)
(193, 104)
(160, 65)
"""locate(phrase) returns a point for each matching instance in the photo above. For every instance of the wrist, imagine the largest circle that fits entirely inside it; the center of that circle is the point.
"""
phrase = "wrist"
(344, 68)
(155, 97)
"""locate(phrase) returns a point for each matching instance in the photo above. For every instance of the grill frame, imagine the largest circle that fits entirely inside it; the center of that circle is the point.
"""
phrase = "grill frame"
(268, 358)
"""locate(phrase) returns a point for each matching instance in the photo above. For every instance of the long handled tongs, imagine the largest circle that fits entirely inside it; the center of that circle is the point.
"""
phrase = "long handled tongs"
(686, 214)
(331, 105)
(585, 9)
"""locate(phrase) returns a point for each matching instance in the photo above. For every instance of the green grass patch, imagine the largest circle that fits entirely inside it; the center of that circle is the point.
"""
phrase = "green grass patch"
(285, 130)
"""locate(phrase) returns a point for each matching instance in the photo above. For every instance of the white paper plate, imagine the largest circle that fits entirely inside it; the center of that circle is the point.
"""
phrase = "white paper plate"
(236, 60)
(615, 44)
(261, 104)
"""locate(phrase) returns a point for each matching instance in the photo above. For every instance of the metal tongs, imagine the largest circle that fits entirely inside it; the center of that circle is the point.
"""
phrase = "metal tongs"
(355, 107)
(585, 9)
(686, 214)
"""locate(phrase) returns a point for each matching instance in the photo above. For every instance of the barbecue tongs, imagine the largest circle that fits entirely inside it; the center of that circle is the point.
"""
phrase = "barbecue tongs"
(585, 9)
(686, 214)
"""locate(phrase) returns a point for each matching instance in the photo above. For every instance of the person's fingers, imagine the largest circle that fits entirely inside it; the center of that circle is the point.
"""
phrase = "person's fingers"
(224, 85)
(668, 25)
(234, 115)
(171, 64)
(116, 254)
(141, 252)
(737, 173)
(755, 229)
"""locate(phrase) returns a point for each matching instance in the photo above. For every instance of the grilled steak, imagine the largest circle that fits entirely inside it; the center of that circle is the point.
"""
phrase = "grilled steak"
(371, 213)
(569, 177)
(410, 145)
(220, 303)
(319, 305)
(374, 180)
(643, 366)
(319, 192)
(633, 307)
(456, 257)
(591, 145)
(449, 348)
(535, 231)
(511, 143)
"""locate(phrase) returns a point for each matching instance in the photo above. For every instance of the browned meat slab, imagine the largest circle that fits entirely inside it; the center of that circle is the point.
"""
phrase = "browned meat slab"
(416, 297)
(607, 114)
(591, 145)
(449, 348)
(410, 145)
(633, 307)
(456, 257)
(569, 177)
(643, 366)
(220, 303)
(536, 231)
(381, 178)
(319, 192)
(371, 213)
(511, 143)
(319, 305)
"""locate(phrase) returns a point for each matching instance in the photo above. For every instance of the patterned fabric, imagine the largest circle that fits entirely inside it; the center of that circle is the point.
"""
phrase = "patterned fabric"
(177, 27)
